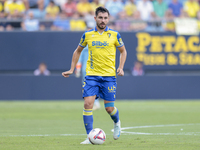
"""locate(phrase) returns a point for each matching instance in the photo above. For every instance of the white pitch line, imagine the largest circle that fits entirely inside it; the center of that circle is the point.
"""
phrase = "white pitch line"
(140, 133)
(32, 135)
(153, 126)
(124, 132)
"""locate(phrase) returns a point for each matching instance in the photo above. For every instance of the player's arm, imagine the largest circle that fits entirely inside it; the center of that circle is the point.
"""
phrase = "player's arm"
(79, 66)
(122, 60)
(75, 59)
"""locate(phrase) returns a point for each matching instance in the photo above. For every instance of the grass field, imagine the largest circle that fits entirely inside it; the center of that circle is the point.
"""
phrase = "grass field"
(58, 125)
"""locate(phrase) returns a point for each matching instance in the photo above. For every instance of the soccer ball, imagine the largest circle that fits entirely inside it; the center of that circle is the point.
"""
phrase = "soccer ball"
(97, 136)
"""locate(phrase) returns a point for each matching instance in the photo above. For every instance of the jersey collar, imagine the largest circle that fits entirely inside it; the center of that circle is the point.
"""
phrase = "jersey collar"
(106, 29)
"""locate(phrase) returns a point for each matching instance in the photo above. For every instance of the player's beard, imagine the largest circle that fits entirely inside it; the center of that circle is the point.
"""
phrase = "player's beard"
(101, 27)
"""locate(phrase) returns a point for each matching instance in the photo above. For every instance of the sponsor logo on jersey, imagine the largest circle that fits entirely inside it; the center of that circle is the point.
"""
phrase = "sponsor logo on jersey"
(99, 43)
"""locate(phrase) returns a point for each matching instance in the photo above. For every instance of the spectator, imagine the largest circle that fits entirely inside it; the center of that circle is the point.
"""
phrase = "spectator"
(137, 24)
(30, 24)
(122, 24)
(47, 23)
(35, 3)
(1, 7)
(176, 7)
(4, 25)
(114, 7)
(154, 24)
(84, 8)
(89, 19)
(184, 14)
(95, 4)
(103, 2)
(59, 3)
(138, 69)
(61, 23)
(69, 8)
(26, 4)
(130, 7)
(39, 13)
(160, 7)
(14, 8)
(42, 70)
(191, 7)
(145, 7)
(198, 20)
(169, 24)
(14, 11)
(111, 25)
(52, 9)
(77, 24)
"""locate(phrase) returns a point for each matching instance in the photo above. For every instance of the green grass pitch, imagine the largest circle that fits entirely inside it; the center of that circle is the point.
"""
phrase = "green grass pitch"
(58, 125)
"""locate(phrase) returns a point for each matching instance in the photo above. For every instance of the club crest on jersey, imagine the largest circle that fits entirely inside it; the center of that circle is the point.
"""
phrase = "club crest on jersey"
(108, 34)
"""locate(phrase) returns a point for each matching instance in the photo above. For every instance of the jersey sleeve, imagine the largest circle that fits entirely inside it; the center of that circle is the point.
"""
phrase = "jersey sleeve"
(119, 42)
(83, 42)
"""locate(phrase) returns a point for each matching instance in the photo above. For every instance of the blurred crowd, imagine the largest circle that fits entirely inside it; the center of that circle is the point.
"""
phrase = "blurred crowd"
(77, 15)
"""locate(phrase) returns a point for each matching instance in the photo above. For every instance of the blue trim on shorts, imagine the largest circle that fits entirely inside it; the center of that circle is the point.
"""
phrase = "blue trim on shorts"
(111, 104)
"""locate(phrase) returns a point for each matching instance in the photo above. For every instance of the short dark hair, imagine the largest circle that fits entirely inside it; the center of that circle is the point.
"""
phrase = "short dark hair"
(101, 9)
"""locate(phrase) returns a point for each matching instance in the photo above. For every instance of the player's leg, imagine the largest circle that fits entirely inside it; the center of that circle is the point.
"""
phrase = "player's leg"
(88, 116)
(96, 102)
(112, 110)
(114, 114)
(108, 92)
(87, 113)
(90, 90)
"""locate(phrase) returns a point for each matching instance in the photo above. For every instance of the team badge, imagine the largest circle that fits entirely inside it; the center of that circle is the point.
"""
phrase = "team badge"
(109, 35)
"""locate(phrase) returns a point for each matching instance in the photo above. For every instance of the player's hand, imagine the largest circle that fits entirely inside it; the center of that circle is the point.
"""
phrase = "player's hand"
(67, 73)
(120, 72)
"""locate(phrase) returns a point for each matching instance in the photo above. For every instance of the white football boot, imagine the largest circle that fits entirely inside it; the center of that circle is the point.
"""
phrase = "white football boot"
(86, 142)
(117, 130)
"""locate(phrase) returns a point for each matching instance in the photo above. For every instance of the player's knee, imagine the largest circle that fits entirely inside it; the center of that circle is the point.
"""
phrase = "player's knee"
(88, 105)
(109, 109)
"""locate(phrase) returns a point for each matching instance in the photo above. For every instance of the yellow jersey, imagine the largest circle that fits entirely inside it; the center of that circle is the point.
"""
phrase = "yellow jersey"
(84, 7)
(191, 8)
(77, 25)
(53, 11)
(11, 7)
(101, 51)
